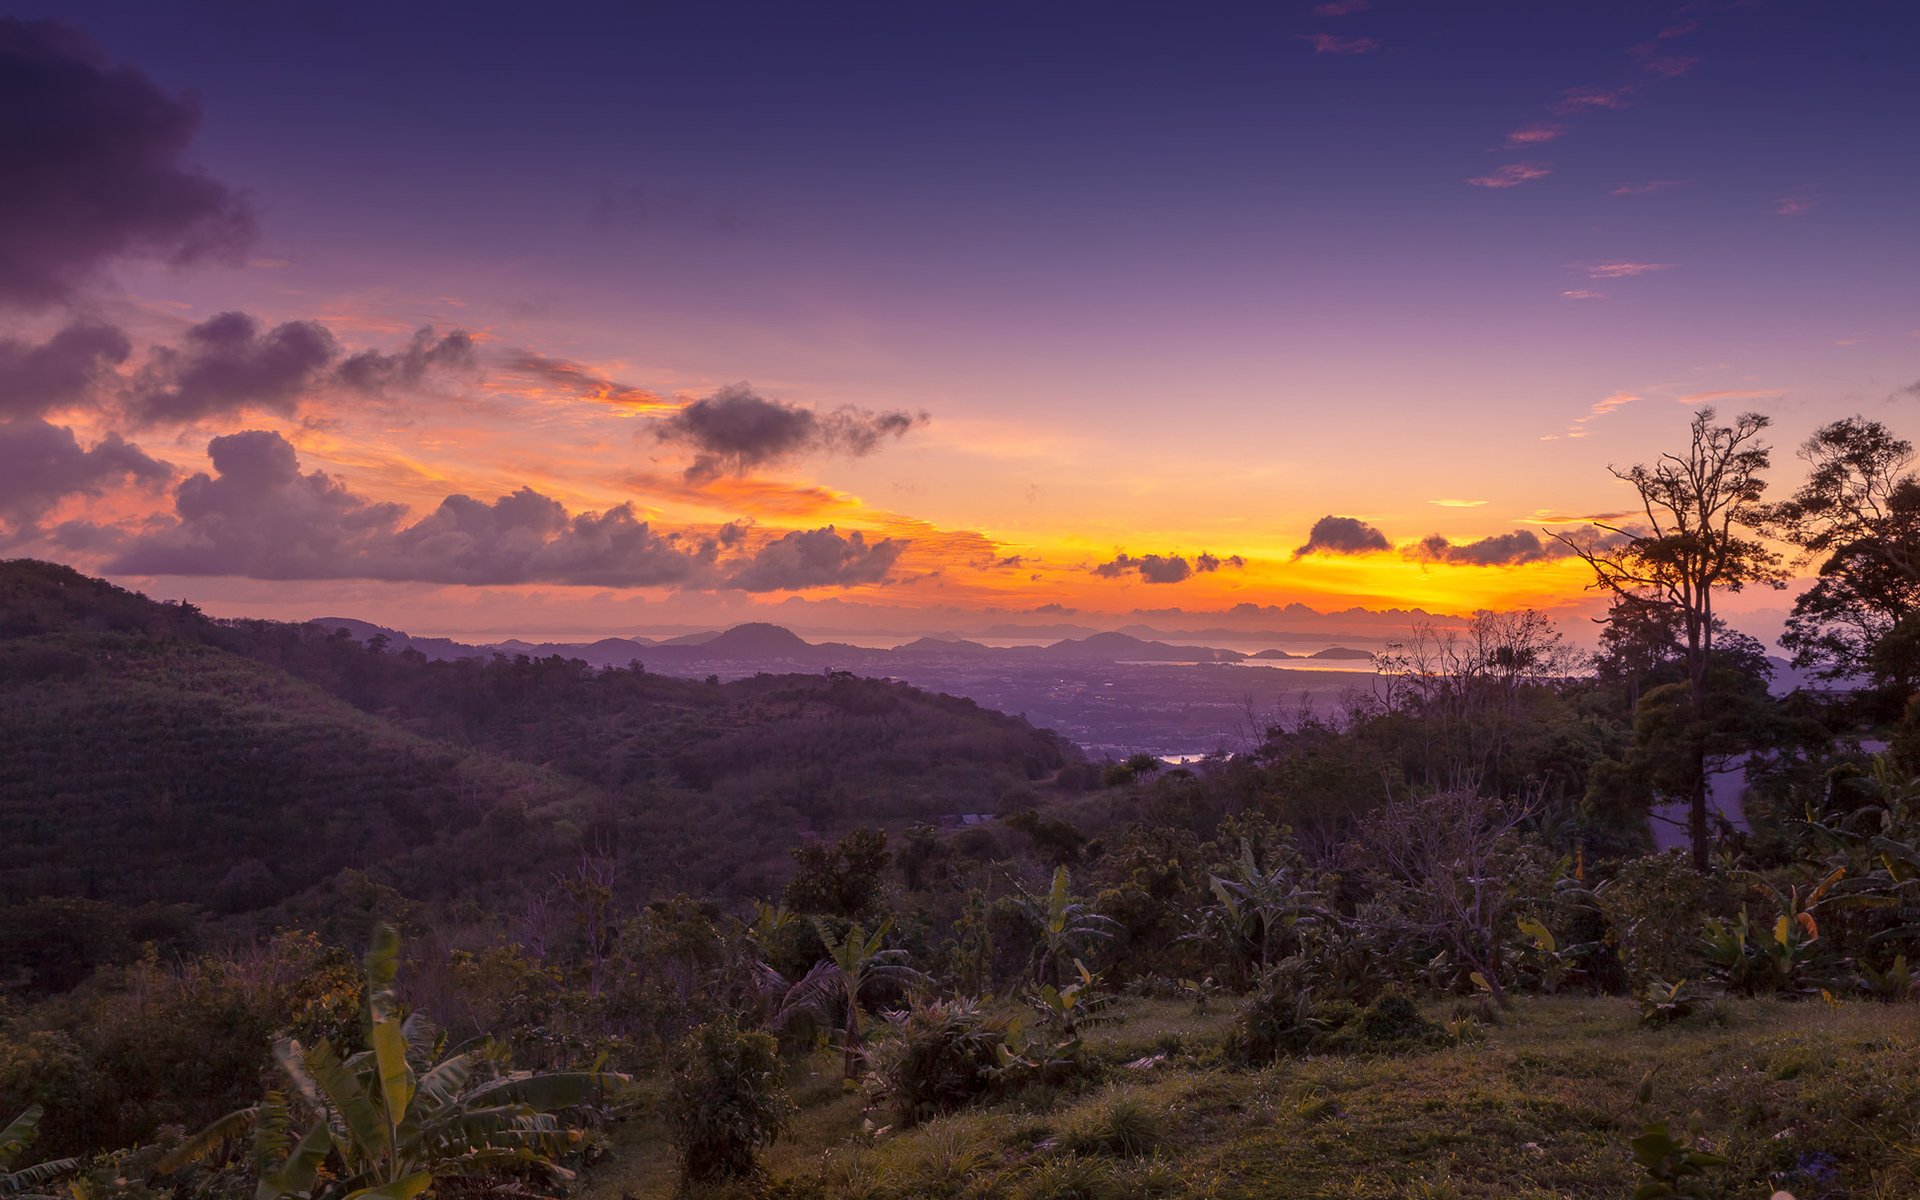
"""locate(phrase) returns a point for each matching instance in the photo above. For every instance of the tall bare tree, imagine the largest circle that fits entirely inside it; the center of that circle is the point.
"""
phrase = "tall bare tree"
(1699, 512)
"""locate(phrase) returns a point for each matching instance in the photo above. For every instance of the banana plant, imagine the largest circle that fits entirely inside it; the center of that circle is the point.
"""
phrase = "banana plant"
(22, 1183)
(1754, 958)
(1256, 912)
(1065, 925)
(856, 961)
(377, 1125)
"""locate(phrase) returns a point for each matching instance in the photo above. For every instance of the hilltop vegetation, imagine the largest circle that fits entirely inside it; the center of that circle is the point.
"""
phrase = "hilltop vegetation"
(160, 756)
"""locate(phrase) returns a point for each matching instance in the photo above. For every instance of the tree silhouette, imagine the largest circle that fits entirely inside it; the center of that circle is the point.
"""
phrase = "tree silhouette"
(1699, 508)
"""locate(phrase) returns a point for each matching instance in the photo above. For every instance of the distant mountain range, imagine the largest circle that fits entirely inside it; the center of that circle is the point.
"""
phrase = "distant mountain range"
(776, 646)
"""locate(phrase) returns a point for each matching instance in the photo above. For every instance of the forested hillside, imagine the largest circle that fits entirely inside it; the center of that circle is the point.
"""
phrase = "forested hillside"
(158, 755)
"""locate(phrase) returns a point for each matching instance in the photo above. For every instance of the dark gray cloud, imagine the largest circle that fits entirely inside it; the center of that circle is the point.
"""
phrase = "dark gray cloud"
(71, 367)
(814, 558)
(259, 515)
(427, 354)
(41, 463)
(1164, 568)
(93, 159)
(1342, 535)
(1500, 550)
(736, 430)
(228, 363)
(231, 363)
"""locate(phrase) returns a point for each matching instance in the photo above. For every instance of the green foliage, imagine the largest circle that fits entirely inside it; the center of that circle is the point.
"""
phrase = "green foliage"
(1282, 1017)
(1663, 1003)
(939, 1056)
(1654, 907)
(728, 1101)
(839, 880)
(1065, 928)
(1674, 1165)
(857, 963)
(22, 1181)
(386, 1122)
(1119, 1126)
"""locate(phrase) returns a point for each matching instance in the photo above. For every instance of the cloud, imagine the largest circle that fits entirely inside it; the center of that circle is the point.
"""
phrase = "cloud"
(92, 156)
(226, 364)
(1342, 535)
(736, 430)
(40, 464)
(1341, 8)
(1511, 175)
(1500, 550)
(1576, 100)
(68, 368)
(1624, 270)
(1330, 43)
(1165, 568)
(427, 353)
(1794, 206)
(231, 363)
(576, 381)
(816, 558)
(1534, 135)
(1714, 397)
(1458, 503)
(1607, 405)
(1642, 189)
(1582, 294)
(1668, 66)
(257, 514)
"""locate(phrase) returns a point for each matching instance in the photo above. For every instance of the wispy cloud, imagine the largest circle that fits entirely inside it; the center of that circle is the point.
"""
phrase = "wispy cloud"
(1534, 135)
(1341, 8)
(1642, 189)
(1331, 43)
(1795, 205)
(1732, 394)
(1577, 100)
(1511, 175)
(1582, 294)
(1458, 503)
(1668, 66)
(1624, 270)
(1606, 406)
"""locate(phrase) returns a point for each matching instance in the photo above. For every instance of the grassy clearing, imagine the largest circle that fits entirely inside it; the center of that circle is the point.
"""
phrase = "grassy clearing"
(1820, 1099)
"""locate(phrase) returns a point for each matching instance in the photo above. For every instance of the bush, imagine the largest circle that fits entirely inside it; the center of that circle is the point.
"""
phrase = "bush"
(728, 1101)
(1393, 1022)
(1279, 1018)
(942, 1055)
(1654, 907)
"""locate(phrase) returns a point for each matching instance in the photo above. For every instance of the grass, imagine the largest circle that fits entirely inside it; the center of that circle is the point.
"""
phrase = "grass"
(1810, 1097)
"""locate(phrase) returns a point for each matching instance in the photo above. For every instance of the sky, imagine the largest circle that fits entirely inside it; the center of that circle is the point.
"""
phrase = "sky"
(597, 318)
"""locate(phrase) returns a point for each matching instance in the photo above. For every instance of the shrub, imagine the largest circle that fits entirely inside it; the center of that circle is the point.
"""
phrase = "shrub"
(1392, 1020)
(942, 1055)
(1279, 1018)
(1654, 907)
(727, 1101)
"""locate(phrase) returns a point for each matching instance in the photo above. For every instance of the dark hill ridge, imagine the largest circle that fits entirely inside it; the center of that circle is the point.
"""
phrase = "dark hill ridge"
(155, 753)
(1122, 647)
(762, 643)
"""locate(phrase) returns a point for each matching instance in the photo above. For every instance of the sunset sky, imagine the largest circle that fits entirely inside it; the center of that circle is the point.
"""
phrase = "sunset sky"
(568, 318)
